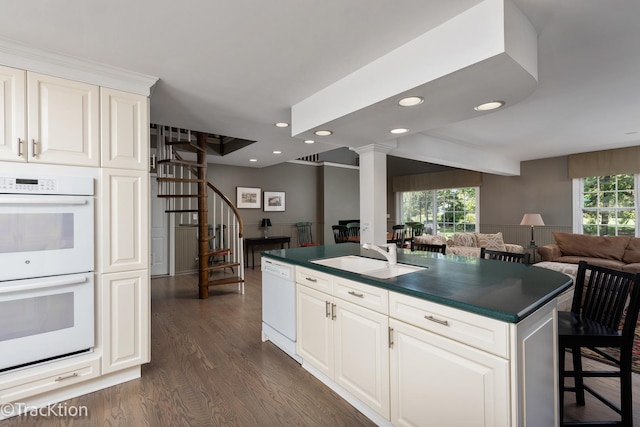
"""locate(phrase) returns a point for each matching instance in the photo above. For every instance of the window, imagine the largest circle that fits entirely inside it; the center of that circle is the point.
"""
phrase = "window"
(444, 212)
(607, 205)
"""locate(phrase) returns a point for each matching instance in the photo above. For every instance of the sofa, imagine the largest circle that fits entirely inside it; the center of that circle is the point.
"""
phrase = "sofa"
(469, 244)
(618, 252)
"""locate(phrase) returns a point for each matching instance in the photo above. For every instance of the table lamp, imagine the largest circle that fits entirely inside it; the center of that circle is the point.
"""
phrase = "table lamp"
(532, 219)
(266, 223)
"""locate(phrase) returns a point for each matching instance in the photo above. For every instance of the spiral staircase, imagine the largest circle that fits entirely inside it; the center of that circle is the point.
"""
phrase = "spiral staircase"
(181, 168)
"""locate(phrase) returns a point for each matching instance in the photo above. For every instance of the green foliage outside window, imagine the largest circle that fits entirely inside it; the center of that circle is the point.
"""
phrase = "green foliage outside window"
(449, 211)
(609, 206)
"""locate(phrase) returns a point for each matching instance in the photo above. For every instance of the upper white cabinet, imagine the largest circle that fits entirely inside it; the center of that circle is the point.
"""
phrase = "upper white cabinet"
(58, 121)
(13, 114)
(124, 129)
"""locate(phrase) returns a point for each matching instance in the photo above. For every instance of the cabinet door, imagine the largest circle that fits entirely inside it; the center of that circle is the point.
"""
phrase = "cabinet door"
(436, 381)
(124, 130)
(13, 130)
(125, 320)
(362, 354)
(124, 220)
(315, 329)
(63, 121)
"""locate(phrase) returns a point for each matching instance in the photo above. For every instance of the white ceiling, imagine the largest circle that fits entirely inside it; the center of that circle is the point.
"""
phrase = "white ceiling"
(235, 67)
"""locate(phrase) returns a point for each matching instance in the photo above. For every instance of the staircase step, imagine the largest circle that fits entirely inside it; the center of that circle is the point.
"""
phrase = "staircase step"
(194, 180)
(180, 210)
(218, 252)
(180, 162)
(178, 196)
(225, 281)
(186, 145)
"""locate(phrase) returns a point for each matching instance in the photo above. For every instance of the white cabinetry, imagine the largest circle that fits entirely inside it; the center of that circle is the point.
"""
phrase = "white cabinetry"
(124, 130)
(56, 122)
(125, 220)
(418, 363)
(126, 320)
(13, 113)
(343, 338)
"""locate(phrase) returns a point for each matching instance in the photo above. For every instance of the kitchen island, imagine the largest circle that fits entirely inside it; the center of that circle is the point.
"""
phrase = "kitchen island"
(462, 341)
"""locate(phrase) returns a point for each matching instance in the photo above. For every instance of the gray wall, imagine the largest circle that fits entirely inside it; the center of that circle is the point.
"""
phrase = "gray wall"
(341, 189)
(299, 182)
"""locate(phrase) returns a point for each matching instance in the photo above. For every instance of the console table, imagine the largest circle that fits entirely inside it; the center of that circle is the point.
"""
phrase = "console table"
(252, 242)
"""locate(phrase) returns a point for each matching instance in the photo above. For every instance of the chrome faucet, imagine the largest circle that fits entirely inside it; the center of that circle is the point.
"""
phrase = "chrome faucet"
(390, 251)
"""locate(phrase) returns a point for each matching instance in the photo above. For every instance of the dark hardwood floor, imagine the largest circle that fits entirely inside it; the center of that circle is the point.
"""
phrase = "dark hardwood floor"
(210, 368)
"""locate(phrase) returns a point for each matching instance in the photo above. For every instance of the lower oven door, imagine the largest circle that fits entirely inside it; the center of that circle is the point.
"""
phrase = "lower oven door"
(45, 318)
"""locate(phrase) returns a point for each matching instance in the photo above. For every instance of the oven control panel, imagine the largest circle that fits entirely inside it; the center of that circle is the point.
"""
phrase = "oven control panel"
(24, 185)
(53, 185)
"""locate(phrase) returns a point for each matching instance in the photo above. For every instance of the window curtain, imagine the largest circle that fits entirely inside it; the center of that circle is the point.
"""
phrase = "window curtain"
(437, 180)
(604, 163)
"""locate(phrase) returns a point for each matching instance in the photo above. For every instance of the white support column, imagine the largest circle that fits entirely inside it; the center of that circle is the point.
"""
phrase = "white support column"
(373, 193)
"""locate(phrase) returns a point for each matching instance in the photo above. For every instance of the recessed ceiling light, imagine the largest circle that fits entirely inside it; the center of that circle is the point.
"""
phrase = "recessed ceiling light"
(253, 160)
(488, 106)
(411, 101)
(399, 130)
(277, 152)
(282, 125)
(323, 132)
(309, 141)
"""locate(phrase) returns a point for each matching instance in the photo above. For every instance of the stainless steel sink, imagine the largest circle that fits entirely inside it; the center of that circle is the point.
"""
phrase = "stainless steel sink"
(367, 266)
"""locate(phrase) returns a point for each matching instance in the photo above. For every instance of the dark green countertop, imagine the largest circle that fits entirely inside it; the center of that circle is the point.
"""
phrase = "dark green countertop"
(497, 289)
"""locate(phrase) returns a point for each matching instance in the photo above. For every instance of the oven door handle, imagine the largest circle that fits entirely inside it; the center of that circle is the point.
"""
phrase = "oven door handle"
(72, 280)
(39, 201)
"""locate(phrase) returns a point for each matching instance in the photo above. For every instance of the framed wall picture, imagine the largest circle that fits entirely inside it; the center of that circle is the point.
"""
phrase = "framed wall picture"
(274, 201)
(248, 197)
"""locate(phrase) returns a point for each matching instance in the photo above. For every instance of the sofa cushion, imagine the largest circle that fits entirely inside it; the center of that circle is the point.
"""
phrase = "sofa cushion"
(491, 241)
(632, 252)
(602, 262)
(632, 268)
(581, 245)
(438, 239)
(465, 239)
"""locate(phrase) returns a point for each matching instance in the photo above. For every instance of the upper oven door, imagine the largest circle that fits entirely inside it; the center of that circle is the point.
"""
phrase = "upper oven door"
(44, 235)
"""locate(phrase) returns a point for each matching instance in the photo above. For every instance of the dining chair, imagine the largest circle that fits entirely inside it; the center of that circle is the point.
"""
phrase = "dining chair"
(397, 235)
(504, 256)
(304, 234)
(340, 233)
(428, 247)
(354, 231)
(603, 318)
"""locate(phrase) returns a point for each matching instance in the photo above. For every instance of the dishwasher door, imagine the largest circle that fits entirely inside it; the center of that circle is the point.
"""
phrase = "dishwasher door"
(279, 297)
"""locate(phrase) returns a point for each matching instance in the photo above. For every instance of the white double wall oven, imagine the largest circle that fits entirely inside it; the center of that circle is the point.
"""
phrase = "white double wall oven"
(47, 258)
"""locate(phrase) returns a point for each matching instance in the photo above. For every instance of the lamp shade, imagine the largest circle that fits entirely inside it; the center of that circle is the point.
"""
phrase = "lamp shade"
(266, 222)
(532, 219)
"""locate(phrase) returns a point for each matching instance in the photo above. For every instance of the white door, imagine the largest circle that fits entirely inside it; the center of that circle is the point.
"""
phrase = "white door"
(159, 232)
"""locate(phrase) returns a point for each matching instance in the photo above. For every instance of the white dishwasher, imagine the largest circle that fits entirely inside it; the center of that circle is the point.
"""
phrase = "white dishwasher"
(279, 306)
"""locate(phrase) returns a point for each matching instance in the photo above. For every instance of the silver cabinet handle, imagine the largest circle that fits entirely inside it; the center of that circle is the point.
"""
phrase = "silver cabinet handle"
(356, 294)
(390, 337)
(19, 147)
(33, 147)
(440, 321)
(327, 313)
(333, 312)
(311, 279)
(66, 378)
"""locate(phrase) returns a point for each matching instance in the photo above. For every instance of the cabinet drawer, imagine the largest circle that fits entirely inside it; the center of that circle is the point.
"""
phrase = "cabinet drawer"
(314, 279)
(367, 296)
(29, 385)
(477, 331)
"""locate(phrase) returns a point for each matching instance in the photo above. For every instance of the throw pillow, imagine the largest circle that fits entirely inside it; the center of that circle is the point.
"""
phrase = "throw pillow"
(491, 241)
(465, 239)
